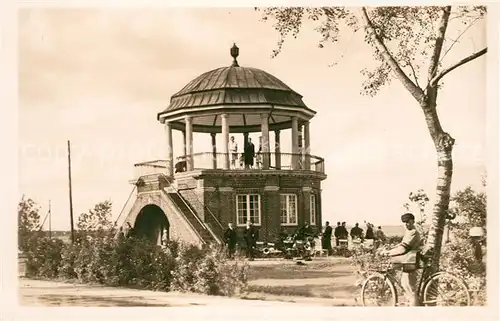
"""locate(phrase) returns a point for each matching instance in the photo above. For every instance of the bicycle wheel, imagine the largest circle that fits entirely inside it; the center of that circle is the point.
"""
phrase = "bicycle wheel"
(378, 290)
(445, 289)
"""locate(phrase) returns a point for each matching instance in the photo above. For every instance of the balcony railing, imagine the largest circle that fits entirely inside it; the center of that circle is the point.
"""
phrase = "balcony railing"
(208, 160)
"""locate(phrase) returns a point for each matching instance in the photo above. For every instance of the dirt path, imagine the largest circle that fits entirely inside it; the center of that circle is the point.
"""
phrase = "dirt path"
(324, 282)
(49, 293)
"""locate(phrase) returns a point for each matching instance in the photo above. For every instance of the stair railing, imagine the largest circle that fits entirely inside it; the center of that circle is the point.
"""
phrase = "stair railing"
(187, 220)
(125, 206)
(203, 224)
(211, 214)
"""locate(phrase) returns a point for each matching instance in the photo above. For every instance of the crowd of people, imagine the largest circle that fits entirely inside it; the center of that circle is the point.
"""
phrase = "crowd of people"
(356, 233)
(250, 235)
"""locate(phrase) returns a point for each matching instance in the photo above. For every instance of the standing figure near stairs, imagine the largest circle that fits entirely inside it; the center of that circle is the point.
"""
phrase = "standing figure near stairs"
(230, 238)
(251, 234)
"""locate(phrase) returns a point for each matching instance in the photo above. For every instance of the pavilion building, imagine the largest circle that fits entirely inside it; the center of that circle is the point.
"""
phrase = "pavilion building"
(192, 197)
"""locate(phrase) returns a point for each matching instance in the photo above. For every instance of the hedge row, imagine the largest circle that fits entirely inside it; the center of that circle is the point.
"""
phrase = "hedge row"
(137, 263)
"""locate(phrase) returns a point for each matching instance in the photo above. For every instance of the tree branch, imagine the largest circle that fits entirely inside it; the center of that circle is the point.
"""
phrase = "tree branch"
(443, 73)
(414, 90)
(438, 46)
(414, 74)
(459, 36)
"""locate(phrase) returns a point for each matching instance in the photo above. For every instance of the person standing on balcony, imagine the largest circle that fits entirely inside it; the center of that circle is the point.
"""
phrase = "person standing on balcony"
(258, 157)
(230, 238)
(233, 150)
(249, 154)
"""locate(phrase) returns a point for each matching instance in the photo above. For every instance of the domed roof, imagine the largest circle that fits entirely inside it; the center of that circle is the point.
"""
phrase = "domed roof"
(235, 85)
(243, 94)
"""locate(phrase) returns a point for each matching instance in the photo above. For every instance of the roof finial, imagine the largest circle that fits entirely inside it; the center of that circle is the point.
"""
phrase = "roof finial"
(235, 51)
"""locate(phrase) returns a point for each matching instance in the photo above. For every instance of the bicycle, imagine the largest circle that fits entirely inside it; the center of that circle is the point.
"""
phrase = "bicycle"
(383, 284)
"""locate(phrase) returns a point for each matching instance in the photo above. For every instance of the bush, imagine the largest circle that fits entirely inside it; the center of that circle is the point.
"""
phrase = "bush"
(140, 264)
(44, 258)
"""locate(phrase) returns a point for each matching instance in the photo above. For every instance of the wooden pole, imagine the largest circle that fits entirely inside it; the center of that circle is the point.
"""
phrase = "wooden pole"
(70, 195)
(50, 223)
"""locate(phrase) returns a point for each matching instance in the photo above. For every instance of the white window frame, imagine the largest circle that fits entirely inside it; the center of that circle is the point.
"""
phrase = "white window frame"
(287, 196)
(312, 209)
(247, 210)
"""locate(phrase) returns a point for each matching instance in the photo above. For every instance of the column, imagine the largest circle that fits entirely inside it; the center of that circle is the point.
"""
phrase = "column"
(300, 150)
(184, 149)
(170, 154)
(189, 143)
(295, 142)
(245, 145)
(264, 127)
(245, 141)
(225, 140)
(307, 147)
(277, 150)
(214, 151)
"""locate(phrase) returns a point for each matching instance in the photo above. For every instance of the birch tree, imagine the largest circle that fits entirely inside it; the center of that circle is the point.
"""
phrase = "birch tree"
(408, 43)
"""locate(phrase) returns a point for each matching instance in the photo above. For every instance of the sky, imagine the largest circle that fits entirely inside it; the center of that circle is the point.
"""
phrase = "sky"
(99, 77)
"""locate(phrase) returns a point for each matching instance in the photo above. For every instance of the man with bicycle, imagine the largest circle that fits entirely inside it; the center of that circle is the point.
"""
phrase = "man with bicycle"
(410, 243)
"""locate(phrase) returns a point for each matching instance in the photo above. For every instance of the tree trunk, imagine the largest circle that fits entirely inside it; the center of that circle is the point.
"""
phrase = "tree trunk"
(440, 211)
(443, 143)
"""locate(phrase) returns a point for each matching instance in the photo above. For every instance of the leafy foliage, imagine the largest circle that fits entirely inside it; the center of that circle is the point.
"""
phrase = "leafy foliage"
(459, 256)
(98, 257)
(97, 218)
(410, 33)
(28, 219)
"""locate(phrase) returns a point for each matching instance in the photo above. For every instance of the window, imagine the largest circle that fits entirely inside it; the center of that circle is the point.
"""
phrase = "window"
(248, 208)
(288, 209)
(312, 209)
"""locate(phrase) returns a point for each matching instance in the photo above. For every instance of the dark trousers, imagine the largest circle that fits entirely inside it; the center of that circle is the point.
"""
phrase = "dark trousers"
(231, 248)
(249, 250)
(327, 243)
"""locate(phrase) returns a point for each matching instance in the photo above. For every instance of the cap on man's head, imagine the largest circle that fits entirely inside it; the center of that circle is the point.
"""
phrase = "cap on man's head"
(406, 217)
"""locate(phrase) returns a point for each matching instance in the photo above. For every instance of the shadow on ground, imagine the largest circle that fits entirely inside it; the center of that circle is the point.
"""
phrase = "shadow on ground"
(100, 301)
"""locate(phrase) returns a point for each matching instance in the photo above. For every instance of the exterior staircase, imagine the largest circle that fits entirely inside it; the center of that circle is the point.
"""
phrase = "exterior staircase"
(201, 228)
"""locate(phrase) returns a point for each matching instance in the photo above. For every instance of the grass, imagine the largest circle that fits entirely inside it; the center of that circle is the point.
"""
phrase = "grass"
(327, 280)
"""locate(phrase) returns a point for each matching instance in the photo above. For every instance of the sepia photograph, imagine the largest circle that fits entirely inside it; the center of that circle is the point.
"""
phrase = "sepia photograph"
(253, 157)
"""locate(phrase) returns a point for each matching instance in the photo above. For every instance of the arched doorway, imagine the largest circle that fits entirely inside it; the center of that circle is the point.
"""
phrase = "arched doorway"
(152, 224)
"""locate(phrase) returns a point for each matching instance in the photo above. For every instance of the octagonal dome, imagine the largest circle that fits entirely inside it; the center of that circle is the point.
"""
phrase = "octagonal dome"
(235, 85)
(243, 93)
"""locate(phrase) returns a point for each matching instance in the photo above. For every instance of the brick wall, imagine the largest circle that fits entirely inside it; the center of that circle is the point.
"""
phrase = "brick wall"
(220, 192)
(179, 227)
(217, 190)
